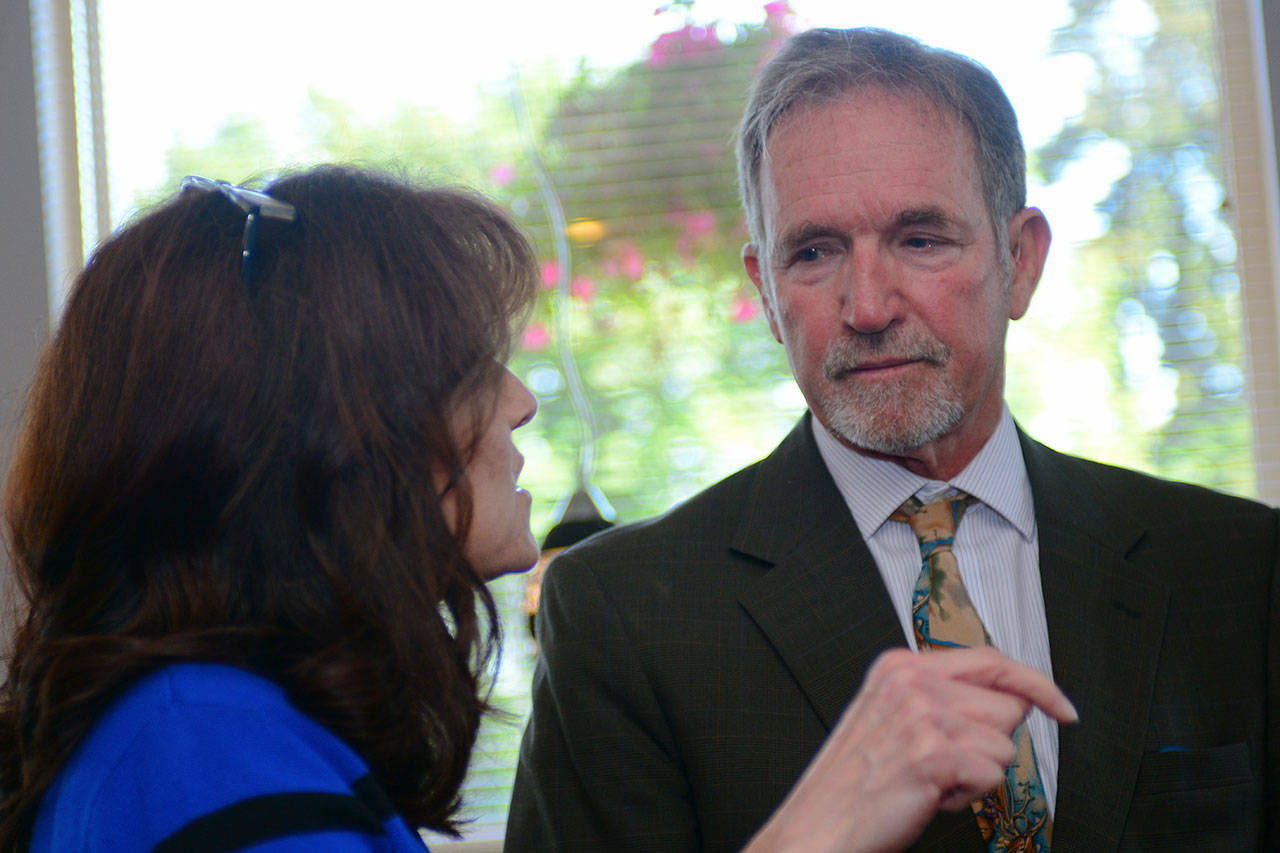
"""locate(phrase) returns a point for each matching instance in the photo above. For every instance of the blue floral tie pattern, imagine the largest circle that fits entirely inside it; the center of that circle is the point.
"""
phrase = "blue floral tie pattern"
(1014, 818)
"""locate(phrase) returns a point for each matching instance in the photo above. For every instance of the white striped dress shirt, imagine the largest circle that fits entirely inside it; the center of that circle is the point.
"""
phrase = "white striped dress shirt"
(996, 546)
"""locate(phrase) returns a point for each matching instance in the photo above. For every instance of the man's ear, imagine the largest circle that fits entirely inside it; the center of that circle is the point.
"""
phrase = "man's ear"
(751, 261)
(1029, 238)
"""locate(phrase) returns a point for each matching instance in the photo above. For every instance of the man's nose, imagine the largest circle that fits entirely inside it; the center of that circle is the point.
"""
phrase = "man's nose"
(870, 297)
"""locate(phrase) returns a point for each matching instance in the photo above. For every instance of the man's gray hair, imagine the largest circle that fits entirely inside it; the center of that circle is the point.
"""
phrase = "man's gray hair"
(820, 66)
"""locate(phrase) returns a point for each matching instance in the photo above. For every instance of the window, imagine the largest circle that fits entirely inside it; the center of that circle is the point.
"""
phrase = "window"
(1133, 351)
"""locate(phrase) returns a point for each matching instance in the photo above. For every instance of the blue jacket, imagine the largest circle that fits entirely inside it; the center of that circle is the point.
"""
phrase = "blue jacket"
(204, 757)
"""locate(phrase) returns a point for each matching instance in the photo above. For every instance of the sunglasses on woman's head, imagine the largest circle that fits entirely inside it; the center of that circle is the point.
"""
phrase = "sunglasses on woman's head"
(254, 204)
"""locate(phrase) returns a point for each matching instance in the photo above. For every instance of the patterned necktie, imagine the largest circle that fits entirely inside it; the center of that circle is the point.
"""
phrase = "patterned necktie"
(1015, 816)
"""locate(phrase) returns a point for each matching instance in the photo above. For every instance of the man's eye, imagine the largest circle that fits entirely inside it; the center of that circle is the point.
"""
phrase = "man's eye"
(809, 254)
(921, 243)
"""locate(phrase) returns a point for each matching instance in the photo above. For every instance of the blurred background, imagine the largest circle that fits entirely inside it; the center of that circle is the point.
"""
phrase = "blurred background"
(1150, 343)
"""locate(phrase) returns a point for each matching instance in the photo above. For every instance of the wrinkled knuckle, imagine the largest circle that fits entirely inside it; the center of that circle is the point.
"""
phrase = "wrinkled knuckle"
(949, 724)
(903, 670)
(918, 708)
(934, 741)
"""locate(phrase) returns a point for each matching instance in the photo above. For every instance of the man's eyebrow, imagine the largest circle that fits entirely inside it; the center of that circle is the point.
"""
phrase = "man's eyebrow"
(930, 216)
(796, 237)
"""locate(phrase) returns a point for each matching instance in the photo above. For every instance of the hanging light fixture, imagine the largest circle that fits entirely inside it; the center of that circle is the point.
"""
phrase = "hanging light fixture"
(585, 511)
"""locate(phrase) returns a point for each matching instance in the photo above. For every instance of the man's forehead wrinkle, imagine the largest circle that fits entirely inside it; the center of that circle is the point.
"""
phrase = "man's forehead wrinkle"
(829, 118)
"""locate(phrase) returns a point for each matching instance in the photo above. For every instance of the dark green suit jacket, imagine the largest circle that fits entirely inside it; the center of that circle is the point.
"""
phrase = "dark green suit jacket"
(691, 666)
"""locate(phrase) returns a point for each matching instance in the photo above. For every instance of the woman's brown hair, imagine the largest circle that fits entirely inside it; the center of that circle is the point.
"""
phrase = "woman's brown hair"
(252, 475)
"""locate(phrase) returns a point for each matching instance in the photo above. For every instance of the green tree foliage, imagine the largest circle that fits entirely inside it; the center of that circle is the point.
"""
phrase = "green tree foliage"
(240, 148)
(1163, 267)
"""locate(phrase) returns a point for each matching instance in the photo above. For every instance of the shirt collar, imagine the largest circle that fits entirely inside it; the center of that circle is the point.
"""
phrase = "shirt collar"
(874, 488)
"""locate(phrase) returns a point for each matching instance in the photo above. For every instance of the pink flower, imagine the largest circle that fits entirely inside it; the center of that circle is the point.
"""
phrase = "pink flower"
(781, 20)
(550, 274)
(583, 288)
(631, 262)
(662, 49)
(684, 248)
(745, 309)
(536, 337)
(502, 174)
(694, 227)
(699, 223)
(633, 265)
(694, 223)
(686, 41)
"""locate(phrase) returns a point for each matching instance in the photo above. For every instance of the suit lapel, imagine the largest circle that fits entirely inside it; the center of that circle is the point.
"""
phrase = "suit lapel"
(1105, 624)
(823, 605)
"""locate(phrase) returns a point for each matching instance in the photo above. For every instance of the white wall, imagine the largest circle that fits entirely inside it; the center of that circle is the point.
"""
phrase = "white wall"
(24, 302)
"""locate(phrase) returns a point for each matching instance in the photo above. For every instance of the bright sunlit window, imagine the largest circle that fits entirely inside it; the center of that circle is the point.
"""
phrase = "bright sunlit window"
(1132, 352)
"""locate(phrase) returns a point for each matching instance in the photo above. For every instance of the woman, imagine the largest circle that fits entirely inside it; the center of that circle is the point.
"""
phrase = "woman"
(265, 470)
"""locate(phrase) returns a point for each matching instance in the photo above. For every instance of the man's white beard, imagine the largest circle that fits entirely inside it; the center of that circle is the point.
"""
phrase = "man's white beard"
(885, 417)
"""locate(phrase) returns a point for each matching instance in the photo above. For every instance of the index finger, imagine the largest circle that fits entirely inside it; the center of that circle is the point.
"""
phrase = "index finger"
(989, 668)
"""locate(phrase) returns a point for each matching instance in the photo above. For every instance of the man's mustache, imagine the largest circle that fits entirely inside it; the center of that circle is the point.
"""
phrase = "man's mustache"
(855, 351)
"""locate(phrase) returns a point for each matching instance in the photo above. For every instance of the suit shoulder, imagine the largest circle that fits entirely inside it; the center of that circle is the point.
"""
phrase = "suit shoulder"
(1146, 495)
(711, 515)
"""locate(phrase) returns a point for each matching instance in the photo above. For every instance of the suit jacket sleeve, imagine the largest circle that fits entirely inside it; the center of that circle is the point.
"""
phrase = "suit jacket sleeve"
(594, 715)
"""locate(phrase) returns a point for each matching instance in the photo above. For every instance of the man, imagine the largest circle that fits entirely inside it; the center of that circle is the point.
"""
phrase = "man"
(692, 666)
